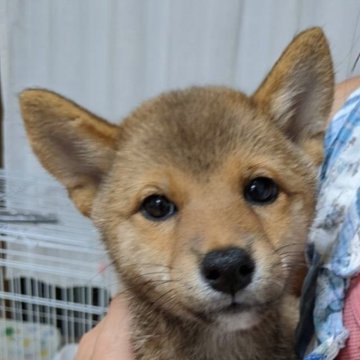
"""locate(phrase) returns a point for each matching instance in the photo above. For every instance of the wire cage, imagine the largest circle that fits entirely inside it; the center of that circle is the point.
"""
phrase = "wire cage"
(54, 270)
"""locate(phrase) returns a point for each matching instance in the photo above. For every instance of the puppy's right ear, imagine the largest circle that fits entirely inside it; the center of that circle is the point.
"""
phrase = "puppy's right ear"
(74, 145)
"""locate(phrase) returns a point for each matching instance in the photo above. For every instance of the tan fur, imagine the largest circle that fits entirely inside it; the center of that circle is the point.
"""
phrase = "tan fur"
(200, 147)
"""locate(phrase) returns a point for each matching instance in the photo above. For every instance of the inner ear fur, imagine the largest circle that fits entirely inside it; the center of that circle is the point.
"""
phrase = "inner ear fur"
(75, 146)
(298, 91)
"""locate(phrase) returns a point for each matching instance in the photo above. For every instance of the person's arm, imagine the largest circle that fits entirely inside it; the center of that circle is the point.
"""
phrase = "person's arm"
(342, 92)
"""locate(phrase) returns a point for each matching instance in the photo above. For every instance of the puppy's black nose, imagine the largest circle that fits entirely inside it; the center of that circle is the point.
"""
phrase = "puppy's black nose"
(228, 270)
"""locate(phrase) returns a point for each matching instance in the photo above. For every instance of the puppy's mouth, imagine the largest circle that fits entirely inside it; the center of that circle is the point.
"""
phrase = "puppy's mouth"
(209, 315)
(251, 314)
(234, 308)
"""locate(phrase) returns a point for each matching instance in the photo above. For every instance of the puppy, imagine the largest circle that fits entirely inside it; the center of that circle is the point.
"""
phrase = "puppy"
(204, 198)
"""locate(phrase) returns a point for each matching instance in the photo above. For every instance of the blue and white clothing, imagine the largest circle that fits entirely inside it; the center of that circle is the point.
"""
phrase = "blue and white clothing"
(334, 240)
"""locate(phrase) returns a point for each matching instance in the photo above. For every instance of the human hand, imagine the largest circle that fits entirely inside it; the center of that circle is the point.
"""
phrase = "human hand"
(109, 340)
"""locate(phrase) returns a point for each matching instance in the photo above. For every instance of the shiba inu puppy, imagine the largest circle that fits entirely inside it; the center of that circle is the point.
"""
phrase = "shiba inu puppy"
(204, 197)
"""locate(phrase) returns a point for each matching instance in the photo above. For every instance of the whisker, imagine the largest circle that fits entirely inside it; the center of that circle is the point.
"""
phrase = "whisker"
(288, 245)
(162, 296)
(291, 252)
(112, 262)
(148, 274)
(138, 264)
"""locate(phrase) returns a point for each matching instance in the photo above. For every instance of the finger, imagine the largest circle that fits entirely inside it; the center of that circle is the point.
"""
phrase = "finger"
(88, 342)
(86, 346)
(113, 342)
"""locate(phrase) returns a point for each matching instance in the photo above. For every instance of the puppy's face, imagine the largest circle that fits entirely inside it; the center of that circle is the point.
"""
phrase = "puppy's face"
(206, 208)
(204, 196)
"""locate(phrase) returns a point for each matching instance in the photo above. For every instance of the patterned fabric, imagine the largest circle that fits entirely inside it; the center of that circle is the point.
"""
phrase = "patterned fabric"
(334, 243)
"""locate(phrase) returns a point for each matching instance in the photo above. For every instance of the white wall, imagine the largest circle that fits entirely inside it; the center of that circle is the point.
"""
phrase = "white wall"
(109, 55)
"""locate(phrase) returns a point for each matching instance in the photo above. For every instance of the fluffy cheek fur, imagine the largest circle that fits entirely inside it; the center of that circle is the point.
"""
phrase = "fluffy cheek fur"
(163, 268)
(281, 256)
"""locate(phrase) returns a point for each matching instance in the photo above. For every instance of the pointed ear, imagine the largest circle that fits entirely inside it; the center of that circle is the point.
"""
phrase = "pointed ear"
(298, 92)
(74, 145)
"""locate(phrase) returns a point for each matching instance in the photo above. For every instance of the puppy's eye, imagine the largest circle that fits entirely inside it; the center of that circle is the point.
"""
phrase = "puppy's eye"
(157, 208)
(261, 191)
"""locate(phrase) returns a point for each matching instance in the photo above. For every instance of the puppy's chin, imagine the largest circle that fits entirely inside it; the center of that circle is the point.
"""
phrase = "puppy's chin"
(244, 320)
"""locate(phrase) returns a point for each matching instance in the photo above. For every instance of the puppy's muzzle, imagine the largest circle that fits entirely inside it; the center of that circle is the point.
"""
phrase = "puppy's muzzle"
(228, 270)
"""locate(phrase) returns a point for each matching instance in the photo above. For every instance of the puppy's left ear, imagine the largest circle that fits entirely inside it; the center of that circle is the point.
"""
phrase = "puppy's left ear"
(298, 92)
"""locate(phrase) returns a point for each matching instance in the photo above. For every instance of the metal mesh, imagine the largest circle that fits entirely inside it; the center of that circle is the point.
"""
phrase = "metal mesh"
(55, 276)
